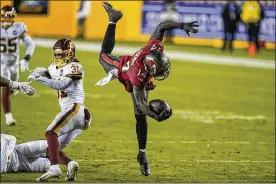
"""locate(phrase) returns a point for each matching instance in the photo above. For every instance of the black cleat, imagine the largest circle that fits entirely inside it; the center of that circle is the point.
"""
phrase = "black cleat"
(144, 166)
(113, 15)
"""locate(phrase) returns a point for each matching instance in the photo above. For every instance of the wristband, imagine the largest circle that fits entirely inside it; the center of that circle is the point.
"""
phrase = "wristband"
(27, 57)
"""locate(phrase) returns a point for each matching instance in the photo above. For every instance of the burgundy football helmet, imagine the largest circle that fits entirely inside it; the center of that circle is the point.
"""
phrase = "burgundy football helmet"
(64, 51)
(8, 14)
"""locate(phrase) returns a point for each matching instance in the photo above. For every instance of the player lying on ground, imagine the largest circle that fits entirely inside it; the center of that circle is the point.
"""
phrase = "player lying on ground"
(65, 75)
(11, 35)
(33, 157)
(135, 73)
(22, 86)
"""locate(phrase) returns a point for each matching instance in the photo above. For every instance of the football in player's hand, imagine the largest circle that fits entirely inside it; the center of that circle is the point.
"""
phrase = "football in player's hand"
(158, 106)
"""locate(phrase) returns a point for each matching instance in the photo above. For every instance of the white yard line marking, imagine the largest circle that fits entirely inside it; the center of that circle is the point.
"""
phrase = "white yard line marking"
(194, 57)
(177, 142)
(198, 161)
(99, 96)
(210, 117)
(230, 161)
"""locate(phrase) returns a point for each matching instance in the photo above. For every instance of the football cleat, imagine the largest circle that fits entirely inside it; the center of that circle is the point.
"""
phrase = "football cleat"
(72, 170)
(113, 15)
(53, 172)
(11, 123)
(144, 166)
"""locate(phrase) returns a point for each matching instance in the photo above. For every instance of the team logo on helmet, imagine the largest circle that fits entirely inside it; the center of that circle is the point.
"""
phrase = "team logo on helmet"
(63, 52)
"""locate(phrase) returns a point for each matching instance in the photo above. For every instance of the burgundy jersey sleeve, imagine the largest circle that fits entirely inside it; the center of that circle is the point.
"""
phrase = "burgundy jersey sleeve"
(131, 70)
(155, 45)
(138, 76)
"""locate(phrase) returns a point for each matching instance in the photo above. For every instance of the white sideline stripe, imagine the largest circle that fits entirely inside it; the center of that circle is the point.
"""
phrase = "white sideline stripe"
(177, 142)
(194, 57)
(199, 161)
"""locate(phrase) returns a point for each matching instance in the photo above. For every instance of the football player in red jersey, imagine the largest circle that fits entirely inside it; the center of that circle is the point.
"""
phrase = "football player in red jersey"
(135, 73)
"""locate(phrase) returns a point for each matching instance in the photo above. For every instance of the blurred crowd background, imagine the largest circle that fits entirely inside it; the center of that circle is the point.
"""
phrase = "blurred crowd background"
(223, 24)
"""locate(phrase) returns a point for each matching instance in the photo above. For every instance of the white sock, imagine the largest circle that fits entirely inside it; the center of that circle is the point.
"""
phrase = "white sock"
(112, 23)
(9, 117)
(142, 150)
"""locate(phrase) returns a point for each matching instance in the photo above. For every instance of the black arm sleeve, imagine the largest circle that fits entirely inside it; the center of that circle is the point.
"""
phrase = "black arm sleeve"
(162, 27)
(140, 100)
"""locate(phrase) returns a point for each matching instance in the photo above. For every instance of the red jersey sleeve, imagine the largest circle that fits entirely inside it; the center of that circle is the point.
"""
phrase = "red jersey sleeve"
(156, 45)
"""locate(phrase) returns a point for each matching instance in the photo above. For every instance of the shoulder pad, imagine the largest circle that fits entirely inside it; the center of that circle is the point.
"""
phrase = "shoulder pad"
(73, 70)
(20, 27)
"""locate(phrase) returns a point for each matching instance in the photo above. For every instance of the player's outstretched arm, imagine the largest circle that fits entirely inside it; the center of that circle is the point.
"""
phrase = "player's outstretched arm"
(24, 87)
(158, 34)
(139, 95)
(62, 84)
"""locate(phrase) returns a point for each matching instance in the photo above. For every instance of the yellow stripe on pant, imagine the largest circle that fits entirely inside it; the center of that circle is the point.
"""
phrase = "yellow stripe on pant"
(67, 119)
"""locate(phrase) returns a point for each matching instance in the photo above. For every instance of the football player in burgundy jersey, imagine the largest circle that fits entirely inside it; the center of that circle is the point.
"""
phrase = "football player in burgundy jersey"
(135, 73)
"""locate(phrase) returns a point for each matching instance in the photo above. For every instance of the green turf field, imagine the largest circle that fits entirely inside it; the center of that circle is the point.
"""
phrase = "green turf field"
(222, 129)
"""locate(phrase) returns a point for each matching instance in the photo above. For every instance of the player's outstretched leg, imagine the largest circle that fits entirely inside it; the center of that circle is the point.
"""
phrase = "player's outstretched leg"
(109, 62)
(109, 38)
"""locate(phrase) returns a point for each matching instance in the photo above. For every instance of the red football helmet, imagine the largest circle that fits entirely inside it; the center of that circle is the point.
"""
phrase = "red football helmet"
(64, 51)
(8, 14)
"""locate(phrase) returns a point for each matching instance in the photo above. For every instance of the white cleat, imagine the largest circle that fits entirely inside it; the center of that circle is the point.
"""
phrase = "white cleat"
(10, 122)
(54, 172)
(72, 170)
(9, 119)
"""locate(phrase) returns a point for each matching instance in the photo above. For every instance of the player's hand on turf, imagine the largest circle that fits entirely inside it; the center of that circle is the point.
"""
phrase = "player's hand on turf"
(24, 65)
(190, 27)
(164, 115)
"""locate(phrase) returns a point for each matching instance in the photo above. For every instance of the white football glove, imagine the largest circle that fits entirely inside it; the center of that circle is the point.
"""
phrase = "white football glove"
(24, 87)
(33, 76)
(24, 65)
(36, 73)
(40, 71)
